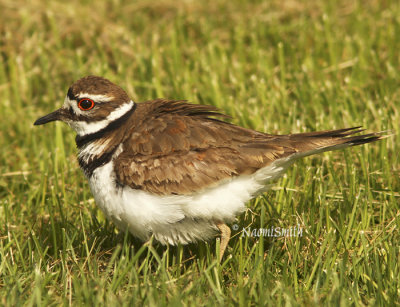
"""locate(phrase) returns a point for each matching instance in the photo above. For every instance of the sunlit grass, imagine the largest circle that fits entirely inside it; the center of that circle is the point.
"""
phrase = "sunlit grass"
(279, 67)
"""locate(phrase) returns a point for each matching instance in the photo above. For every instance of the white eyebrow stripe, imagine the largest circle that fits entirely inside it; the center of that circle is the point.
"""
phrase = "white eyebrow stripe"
(99, 98)
(83, 128)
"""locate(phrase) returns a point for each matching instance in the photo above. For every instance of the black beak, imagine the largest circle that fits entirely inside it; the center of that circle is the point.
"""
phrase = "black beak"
(56, 115)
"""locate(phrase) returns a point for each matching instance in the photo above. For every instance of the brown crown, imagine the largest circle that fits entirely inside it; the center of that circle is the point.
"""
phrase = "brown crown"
(97, 86)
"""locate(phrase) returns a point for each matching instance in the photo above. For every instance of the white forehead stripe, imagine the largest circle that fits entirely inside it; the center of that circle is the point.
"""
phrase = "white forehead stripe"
(97, 98)
(83, 128)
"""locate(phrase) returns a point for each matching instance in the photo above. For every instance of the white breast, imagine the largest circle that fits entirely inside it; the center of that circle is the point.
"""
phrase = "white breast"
(177, 218)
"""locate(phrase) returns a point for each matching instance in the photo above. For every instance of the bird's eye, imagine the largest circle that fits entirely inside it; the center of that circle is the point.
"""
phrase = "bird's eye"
(86, 104)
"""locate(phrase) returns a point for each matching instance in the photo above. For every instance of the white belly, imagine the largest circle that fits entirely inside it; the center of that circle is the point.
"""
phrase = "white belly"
(177, 218)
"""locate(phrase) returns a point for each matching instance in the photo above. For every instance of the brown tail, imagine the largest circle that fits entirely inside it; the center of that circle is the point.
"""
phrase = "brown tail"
(310, 143)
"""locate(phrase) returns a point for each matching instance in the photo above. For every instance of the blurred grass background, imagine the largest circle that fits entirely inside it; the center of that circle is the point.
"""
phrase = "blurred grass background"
(275, 66)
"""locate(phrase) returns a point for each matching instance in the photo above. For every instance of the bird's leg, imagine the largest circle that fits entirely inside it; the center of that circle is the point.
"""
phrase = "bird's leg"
(225, 236)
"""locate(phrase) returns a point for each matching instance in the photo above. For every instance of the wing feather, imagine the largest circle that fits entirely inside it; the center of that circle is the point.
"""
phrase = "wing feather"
(181, 148)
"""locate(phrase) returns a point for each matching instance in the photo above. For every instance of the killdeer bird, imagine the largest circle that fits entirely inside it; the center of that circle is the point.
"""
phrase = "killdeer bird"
(176, 170)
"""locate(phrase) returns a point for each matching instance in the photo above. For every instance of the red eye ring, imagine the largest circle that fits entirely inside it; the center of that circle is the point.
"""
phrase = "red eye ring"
(85, 104)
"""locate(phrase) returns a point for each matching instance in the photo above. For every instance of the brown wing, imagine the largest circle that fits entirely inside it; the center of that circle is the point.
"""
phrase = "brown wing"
(178, 148)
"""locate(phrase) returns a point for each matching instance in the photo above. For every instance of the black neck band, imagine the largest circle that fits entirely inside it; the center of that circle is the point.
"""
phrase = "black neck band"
(83, 140)
(89, 167)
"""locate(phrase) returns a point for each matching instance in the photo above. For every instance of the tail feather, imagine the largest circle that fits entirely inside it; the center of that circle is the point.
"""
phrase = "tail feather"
(330, 133)
(310, 143)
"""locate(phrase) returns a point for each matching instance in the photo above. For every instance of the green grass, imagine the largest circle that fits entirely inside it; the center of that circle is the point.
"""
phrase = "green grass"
(275, 66)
